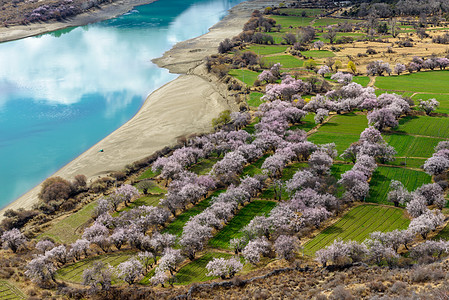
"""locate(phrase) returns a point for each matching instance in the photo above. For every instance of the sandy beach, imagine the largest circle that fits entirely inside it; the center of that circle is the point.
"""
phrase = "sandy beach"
(184, 106)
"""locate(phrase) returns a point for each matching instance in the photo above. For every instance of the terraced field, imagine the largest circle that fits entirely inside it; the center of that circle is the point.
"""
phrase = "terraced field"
(267, 49)
(287, 61)
(10, 292)
(357, 224)
(412, 146)
(380, 182)
(74, 272)
(243, 217)
(442, 98)
(425, 126)
(196, 270)
(427, 82)
(246, 76)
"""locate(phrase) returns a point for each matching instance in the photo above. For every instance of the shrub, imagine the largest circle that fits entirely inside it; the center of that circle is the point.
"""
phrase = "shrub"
(55, 188)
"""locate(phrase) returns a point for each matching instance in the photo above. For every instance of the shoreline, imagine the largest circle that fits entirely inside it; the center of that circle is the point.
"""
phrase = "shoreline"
(104, 12)
(184, 106)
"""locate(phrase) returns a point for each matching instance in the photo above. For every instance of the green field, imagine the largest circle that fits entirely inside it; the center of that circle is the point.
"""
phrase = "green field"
(178, 224)
(357, 224)
(254, 168)
(427, 82)
(425, 126)
(342, 141)
(442, 98)
(66, 230)
(349, 123)
(266, 49)
(299, 11)
(294, 21)
(362, 80)
(307, 123)
(254, 99)
(287, 174)
(443, 234)
(196, 270)
(412, 146)
(9, 291)
(147, 174)
(287, 61)
(331, 21)
(243, 217)
(74, 272)
(380, 182)
(246, 76)
(204, 166)
(318, 53)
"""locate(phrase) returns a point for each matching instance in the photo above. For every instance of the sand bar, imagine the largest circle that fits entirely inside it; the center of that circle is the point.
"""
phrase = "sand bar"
(183, 106)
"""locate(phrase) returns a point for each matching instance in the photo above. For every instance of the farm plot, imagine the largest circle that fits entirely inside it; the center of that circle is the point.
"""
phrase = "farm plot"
(350, 123)
(331, 21)
(254, 99)
(287, 174)
(362, 80)
(66, 230)
(178, 224)
(357, 224)
(380, 182)
(342, 141)
(443, 234)
(318, 53)
(196, 270)
(266, 49)
(301, 11)
(425, 126)
(74, 272)
(204, 166)
(10, 292)
(287, 61)
(293, 21)
(246, 76)
(427, 82)
(307, 123)
(412, 146)
(442, 98)
(243, 217)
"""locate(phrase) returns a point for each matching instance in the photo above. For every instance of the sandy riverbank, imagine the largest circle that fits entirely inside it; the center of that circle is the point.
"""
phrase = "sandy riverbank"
(184, 106)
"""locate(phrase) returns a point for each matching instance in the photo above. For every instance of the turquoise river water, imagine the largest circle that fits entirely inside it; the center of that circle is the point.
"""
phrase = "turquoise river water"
(62, 92)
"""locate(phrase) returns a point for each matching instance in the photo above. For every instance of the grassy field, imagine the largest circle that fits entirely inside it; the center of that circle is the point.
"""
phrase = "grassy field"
(74, 272)
(266, 49)
(425, 126)
(380, 182)
(342, 141)
(350, 123)
(254, 99)
(363, 80)
(412, 146)
(196, 270)
(299, 11)
(443, 234)
(178, 224)
(318, 53)
(287, 61)
(287, 174)
(204, 166)
(9, 291)
(147, 174)
(294, 21)
(243, 217)
(246, 76)
(254, 168)
(357, 224)
(428, 82)
(65, 231)
(331, 21)
(442, 98)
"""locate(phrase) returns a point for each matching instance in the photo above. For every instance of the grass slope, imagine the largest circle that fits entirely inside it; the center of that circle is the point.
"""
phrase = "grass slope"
(246, 76)
(357, 224)
(412, 146)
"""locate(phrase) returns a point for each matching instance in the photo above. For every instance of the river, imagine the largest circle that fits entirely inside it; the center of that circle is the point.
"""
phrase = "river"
(63, 91)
